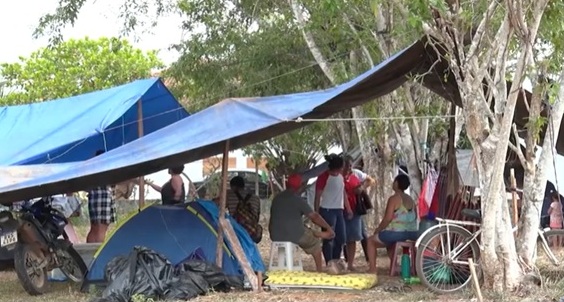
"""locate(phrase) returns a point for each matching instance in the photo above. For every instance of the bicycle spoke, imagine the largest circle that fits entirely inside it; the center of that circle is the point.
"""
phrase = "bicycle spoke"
(445, 260)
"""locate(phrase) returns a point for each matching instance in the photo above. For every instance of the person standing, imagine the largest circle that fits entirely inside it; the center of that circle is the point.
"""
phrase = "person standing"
(102, 211)
(173, 191)
(330, 197)
(366, 181)
(555, 213)
(286, 221)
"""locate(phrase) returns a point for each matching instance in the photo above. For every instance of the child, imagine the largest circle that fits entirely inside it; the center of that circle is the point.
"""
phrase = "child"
(555, 212)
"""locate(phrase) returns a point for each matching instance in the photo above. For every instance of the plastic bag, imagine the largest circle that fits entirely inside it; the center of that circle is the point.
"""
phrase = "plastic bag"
(185, 287)
(142, 272)
(209, 273)
(150, 274)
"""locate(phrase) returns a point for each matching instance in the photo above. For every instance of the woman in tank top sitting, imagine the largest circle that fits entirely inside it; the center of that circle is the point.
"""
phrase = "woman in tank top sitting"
(173, 191)
(399, 222)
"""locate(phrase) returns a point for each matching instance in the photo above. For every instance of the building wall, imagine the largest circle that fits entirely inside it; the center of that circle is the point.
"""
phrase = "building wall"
(241, 162)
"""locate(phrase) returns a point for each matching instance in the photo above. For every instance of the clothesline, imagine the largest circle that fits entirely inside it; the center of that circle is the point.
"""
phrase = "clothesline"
(416, 117)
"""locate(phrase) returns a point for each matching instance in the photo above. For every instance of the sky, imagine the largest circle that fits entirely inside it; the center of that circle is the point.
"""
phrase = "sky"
(98, 18)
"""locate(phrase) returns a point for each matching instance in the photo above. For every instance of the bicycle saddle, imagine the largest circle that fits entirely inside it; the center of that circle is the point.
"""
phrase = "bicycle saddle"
(471, 213)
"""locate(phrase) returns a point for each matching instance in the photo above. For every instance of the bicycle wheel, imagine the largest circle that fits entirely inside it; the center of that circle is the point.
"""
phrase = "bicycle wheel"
(554, 243)
(438, 268)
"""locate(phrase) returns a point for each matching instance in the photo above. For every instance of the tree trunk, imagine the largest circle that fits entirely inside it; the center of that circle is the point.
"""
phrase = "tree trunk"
(407, 144)
(535, 181)
(385, 168)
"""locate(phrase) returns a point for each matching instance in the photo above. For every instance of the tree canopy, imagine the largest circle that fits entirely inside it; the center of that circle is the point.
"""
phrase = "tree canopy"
(74, 67)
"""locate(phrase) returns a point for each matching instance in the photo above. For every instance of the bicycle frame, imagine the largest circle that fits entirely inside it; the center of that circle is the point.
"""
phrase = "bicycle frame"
(459, 224)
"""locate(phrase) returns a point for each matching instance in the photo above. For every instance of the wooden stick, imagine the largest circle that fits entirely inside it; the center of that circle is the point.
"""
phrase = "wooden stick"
(475, 280)
(140, 133)
(239, 254)
(514, 196)
(257, 177)
(222, 205)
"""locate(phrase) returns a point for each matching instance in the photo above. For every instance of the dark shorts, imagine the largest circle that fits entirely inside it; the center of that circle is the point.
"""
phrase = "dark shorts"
(309, 243)
(391, 237)
(354, 228)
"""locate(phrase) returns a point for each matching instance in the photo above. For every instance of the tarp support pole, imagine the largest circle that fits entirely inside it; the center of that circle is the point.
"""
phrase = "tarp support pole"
(514, 197)
(240, 254)
(140, 131)
(222, 204)
(224, 228)
(257, 189)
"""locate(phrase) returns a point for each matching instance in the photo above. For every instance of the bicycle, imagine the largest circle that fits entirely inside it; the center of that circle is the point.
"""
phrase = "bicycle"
(452, 269)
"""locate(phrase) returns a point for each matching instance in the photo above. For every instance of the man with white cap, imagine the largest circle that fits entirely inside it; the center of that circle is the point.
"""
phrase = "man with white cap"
(286, 221)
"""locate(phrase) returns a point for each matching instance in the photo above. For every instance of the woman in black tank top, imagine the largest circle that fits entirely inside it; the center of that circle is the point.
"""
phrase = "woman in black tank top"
(173, 191)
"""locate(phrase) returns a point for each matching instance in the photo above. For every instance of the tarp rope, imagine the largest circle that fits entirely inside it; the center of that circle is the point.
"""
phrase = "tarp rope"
(383, 118)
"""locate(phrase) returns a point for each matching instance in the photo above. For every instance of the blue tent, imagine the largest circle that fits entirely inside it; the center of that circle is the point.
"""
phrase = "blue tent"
(177, 232)
(244, 121)
(72, 129)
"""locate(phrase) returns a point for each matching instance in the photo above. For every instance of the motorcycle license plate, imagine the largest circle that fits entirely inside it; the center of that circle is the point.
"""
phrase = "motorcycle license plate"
(8, 239)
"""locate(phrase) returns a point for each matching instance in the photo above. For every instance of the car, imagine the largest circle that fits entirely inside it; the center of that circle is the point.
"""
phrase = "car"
(211, 183)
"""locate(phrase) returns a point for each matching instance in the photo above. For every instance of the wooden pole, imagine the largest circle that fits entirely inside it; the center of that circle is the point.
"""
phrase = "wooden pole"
(222, 205)
(514, 196)
(140, 134)
(257, 189)
(475, 280)
(239, 254)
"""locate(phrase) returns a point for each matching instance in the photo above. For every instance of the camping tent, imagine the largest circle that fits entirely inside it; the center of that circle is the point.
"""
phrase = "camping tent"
(245, 121)
(178, 233)
(72, 129)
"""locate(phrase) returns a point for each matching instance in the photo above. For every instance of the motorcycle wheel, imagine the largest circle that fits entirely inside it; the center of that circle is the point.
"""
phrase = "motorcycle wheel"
(72, 264)
(26, 263)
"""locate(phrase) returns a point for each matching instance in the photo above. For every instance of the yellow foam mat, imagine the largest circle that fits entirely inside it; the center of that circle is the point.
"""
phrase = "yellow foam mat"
(300, 279)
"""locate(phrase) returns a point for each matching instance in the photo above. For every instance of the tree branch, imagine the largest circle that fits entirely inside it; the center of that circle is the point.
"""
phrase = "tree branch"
(517, 147)
(310, 41)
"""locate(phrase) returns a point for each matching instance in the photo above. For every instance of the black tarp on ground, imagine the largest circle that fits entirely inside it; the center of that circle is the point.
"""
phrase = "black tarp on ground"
(149, 274)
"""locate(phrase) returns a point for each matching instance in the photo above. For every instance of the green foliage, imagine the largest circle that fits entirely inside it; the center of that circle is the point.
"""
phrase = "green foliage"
(75, 67)
(245, 49)
(551, 35)
(255, 48)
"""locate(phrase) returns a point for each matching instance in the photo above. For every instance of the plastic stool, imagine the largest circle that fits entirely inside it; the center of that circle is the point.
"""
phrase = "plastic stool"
(399, 246)
(286, 260)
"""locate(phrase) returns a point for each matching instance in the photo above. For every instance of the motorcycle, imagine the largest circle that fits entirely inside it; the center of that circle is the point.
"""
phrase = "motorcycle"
(39, 247)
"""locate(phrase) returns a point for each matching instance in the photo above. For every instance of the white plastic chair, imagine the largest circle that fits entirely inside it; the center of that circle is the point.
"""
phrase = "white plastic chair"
(285, 260)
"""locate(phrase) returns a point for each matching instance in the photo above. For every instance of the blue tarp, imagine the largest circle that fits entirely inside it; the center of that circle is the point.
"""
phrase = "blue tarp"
(72, 129)
(246, 121)
(203, 134)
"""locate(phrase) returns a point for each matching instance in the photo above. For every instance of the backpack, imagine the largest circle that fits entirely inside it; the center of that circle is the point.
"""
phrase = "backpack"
(363, 203)
(247, 218)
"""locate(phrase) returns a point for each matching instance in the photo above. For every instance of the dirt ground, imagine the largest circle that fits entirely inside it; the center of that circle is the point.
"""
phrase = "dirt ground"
(11, 290)
(552, 290)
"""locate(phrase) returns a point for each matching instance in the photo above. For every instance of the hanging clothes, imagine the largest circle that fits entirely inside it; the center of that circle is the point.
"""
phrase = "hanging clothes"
(423, 207)
(427, 192)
